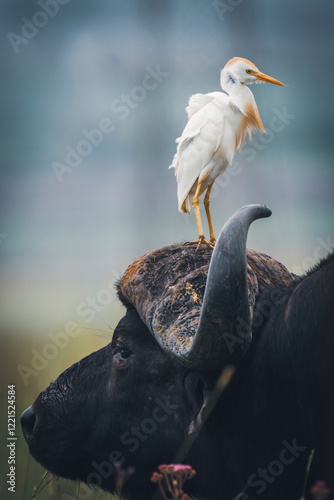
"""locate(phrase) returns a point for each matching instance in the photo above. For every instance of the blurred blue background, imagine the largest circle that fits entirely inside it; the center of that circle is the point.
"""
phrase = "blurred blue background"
(69, 67)
(66, 237)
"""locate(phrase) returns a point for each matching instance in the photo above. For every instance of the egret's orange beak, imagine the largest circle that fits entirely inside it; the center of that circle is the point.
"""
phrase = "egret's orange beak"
(266, 78)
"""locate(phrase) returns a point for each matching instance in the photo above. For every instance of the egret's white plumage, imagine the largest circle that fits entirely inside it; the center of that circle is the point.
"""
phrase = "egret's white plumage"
(216, 128)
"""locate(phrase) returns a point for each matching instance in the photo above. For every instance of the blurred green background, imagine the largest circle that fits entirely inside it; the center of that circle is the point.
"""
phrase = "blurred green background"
(130, 67)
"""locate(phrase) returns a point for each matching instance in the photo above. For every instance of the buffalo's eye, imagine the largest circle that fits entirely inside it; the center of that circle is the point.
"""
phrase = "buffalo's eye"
(121, 353)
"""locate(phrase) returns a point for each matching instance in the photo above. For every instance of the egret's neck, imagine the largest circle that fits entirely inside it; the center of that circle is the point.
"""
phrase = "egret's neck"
(240, 94)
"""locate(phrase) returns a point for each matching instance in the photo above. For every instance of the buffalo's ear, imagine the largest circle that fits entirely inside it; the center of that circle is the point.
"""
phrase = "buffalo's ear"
(208, 393)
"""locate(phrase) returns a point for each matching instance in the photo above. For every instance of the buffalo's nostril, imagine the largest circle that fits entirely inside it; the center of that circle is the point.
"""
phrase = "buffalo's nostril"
(28, 421)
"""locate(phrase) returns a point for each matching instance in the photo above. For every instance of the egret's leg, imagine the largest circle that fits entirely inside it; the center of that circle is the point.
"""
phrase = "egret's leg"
(201, 238)
(197, 213)
(208, 214)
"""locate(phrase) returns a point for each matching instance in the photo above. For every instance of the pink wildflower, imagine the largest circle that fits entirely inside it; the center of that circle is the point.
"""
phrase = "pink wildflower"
(320, 491)
(175, 475)
(156, 477)
(168, 469)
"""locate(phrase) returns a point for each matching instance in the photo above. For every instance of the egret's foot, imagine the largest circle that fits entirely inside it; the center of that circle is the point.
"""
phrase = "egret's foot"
(213, 241)
(202, 241)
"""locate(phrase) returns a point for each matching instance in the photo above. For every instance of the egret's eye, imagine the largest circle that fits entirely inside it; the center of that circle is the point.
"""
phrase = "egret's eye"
(121, 353)
(249, 71)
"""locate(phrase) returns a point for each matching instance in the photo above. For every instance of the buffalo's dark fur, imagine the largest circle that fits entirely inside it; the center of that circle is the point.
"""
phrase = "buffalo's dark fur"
(130, 403)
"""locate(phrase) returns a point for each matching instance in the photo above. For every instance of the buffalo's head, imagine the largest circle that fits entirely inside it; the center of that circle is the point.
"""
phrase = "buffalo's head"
(135, 401)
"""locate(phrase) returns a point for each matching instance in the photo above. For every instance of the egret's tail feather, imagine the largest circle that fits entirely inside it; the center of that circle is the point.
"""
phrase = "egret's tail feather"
(175, 163)
(185, 206)
(186, 202)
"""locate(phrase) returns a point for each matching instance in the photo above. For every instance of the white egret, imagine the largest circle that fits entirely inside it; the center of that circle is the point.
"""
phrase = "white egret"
(215, 131)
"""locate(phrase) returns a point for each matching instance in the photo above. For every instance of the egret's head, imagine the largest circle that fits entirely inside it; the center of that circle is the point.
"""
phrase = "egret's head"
(244, 71)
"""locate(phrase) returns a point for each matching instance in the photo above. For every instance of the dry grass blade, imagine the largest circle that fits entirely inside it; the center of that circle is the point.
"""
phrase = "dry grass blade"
(308, 466)
(39, 488)
(205, 413)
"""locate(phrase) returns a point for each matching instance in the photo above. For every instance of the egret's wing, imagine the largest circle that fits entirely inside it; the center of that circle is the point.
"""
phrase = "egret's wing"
(196, 147)
(198, 101)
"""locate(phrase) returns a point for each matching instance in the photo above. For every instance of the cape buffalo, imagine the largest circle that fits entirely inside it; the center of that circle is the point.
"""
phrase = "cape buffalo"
(161, 391)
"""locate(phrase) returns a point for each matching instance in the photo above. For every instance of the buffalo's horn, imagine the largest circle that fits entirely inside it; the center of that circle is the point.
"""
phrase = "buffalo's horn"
(223, 331)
